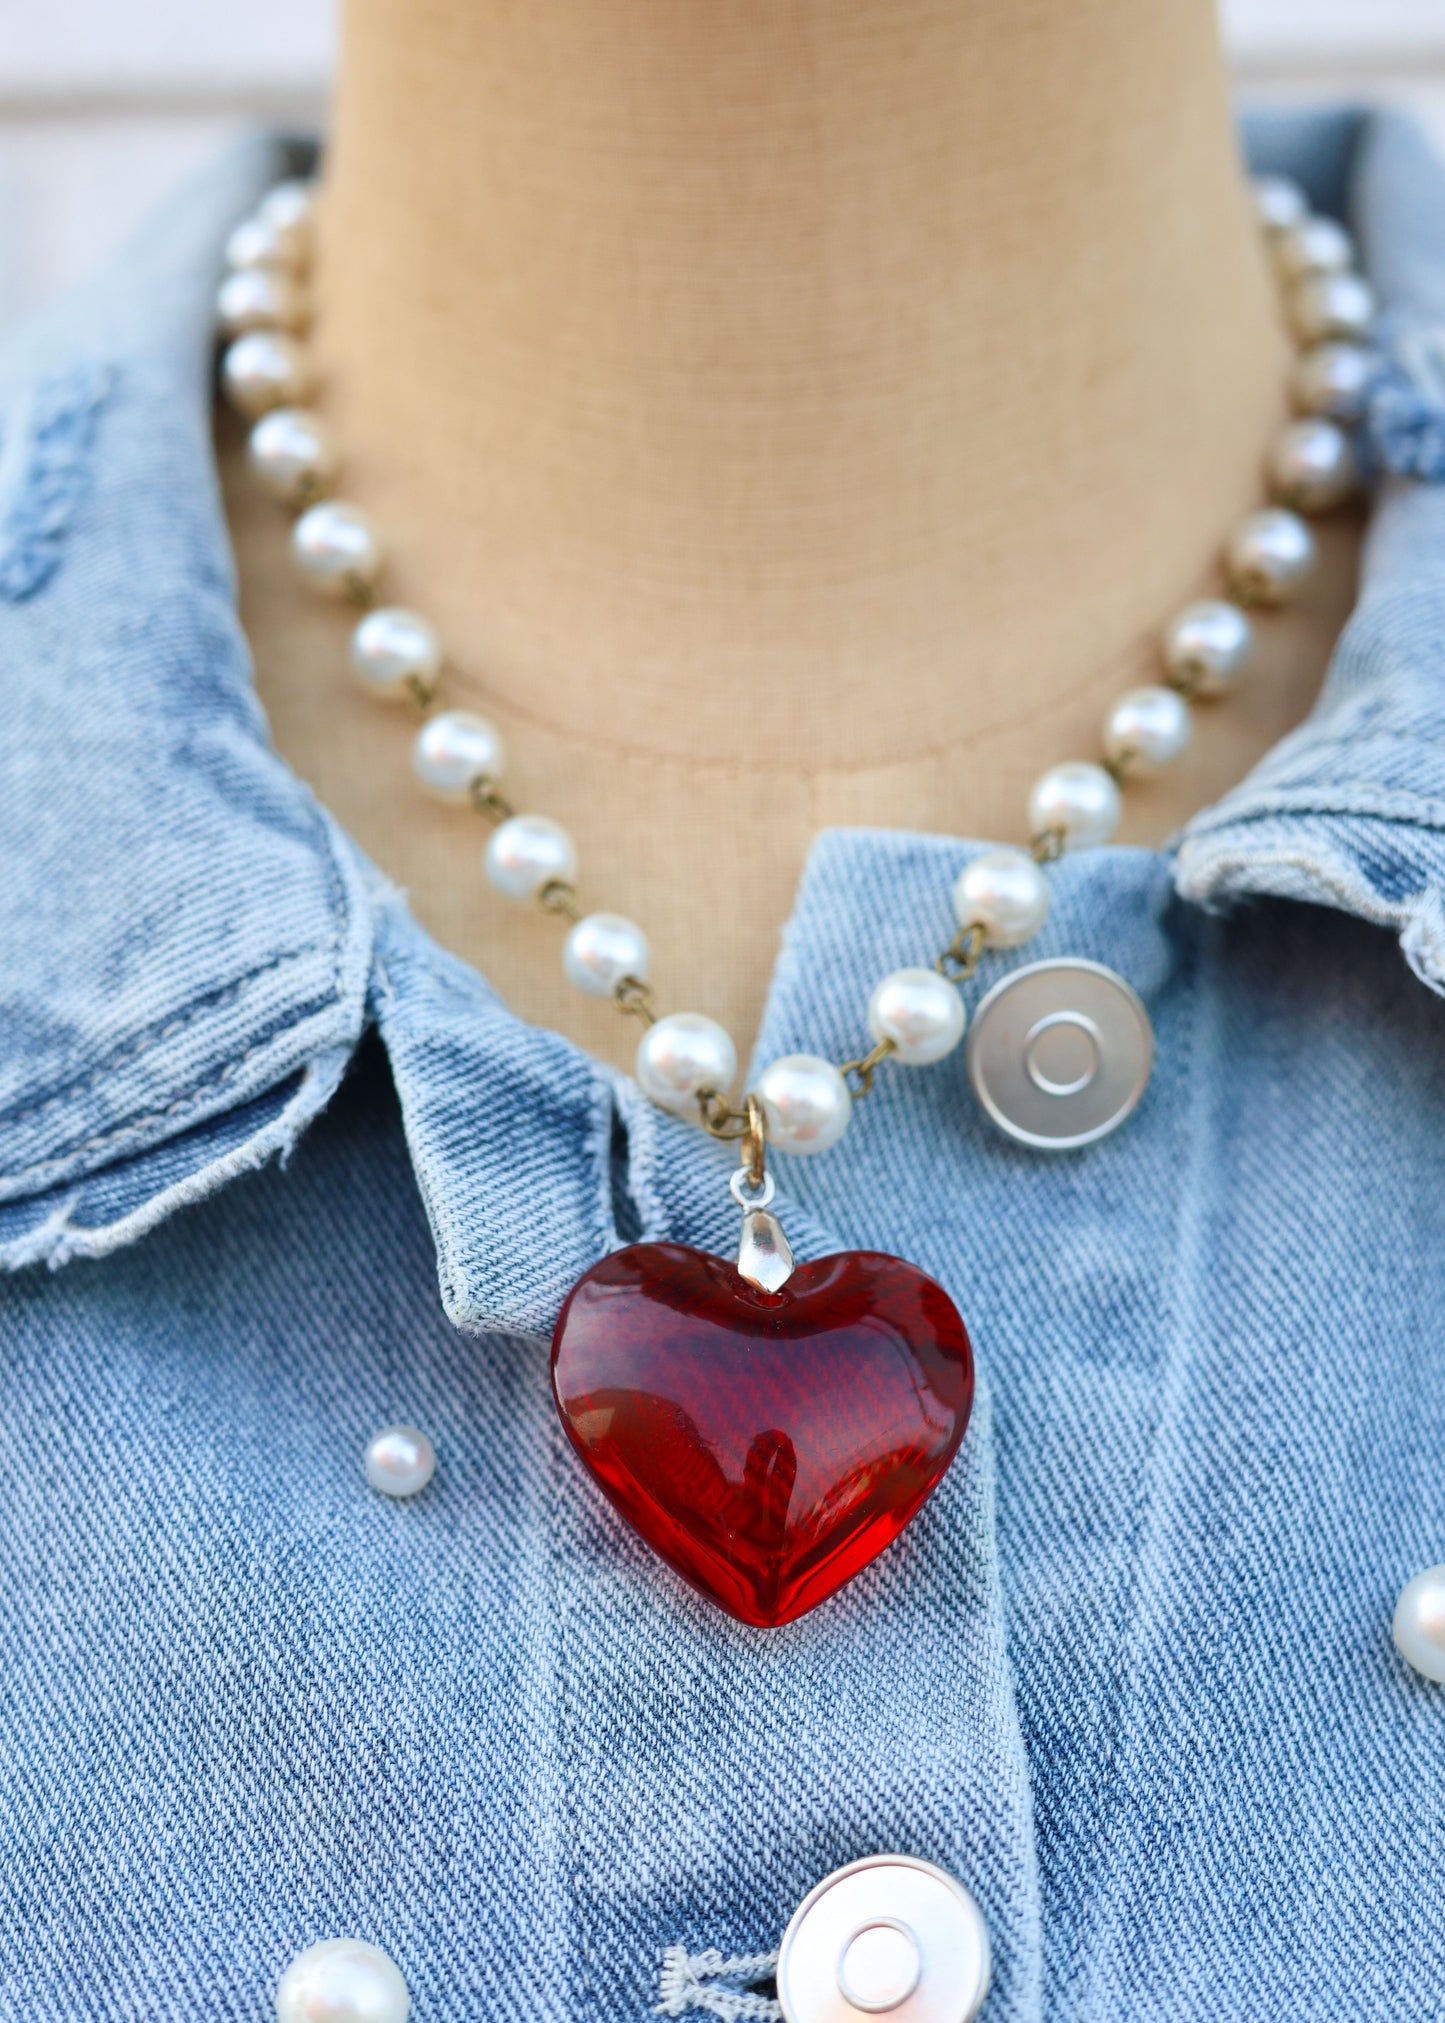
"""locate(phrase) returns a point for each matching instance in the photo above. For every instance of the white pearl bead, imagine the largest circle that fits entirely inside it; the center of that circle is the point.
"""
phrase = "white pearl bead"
(806, 1104)
(683, 1054)
(1208, 646)
(453, 751)
(1078, 798)
(400, 1461)
(260, 298)
(1269, 555)
(266, 369)
(396, 654)
(1280, 202)
(336, 548)
(1312, 466)
(601, 949)
(1147, 728)
(289, 209)
(1332, 305)
(256, 243)
(342, 1981)
(528, 852)
(1005, 893)
(1333, 379)
(921, 1012)
(1313, 246)
(1419, 1624)
(292, 454)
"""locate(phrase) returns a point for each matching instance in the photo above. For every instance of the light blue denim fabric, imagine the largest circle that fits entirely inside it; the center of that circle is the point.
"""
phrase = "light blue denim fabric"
(1129, 1676)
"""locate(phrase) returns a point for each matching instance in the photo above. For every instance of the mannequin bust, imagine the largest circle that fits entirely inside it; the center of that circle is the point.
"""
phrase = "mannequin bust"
(792, 412)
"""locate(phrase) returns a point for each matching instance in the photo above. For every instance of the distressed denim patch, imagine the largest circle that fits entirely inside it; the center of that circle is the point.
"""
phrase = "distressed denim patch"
(53, 434)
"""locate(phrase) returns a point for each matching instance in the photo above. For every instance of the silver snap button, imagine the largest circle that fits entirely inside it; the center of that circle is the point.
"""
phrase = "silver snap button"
(1060, 1052)
(889, 1936)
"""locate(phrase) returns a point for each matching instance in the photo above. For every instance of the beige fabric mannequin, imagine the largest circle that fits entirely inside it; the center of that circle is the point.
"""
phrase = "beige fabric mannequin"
(793, 412)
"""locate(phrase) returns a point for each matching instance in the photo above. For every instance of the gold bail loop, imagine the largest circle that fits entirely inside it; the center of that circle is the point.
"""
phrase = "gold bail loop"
(754, 1145)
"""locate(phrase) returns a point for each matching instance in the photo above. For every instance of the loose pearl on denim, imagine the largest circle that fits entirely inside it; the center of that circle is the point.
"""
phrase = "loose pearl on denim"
(396, 654)
(453, 751)
(1332, 305)
(1078, 798)
(336, 548)
(682, 1055)
(1280, 202)
(266, 369)
(1419, 1624)
(1311, 465)
(1268, 556)
(260, 298)
(289, 210)
(292, 453)
(805, 1102)
(1313, 246)
(601, 949)
(1147, 728)
(528, 852)
(1005, 893)
(921, 1012)
(1208, 646)
(400, 1461)
(1333, 379)
(342, 1981)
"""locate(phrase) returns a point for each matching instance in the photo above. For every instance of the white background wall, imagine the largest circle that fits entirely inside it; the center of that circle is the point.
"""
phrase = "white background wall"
(105, 104)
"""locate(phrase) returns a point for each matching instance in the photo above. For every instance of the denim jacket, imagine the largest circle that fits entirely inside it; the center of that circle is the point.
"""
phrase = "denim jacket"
(1128, 1677)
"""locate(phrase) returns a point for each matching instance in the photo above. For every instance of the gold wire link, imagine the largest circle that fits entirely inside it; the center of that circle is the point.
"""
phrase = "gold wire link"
(634, 997)
(960, 959)
(754, 1143)
(864, 1068)
(360, 593)
(718, 1117)
(489, 800)
(420, 693)
(1048, 846)
(1118, 768)
(559, 895)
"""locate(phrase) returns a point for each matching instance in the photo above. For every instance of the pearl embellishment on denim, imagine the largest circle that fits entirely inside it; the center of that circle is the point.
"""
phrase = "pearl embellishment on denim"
(527, 853)
(1208, 646)
(1079, 799)
(396, 654)
(454, 750)
(1419, 1624)
(921, 1012)
(1005, 893)
(342, 1981)
(600, 950)
(1312, 466)
(399, 1461)
(805, 1102)
(1332, 306)
(1333, 379)
(260, 298)
(1147, 728)
(292, 453)
(683, 1054)
(336, 548)
(1269, 555)
(1313, 246)
(266, 369)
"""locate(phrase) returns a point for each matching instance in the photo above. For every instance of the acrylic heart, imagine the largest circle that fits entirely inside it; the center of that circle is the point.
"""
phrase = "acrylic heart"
(766, 1445)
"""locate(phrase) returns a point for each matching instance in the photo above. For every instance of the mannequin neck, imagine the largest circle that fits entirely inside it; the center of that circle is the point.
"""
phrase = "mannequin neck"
(801, 381)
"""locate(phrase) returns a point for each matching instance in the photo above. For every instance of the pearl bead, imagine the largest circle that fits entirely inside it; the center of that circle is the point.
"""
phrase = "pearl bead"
(257, 243)
(1311, 465)
(266, 369)
(1208, 646)
(1268, 556)
(453, 751)
(336, 548)
(1078, 798)
(1332, 305)
(805, 1102)
(1147, 728)
(601, 949)
(289, 210)
(1419, 1624)
(682, 1055)
(292, 454)
(528, 852)
(1280, 202)
(1005, 893)
(342, 1981)
(400, 1461)
(396, 654)
(1333, 379)
(260, 298)
(921, 1012)
(1313, 246)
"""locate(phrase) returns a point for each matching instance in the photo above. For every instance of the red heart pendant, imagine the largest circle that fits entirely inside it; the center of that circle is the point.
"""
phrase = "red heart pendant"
(766, 1445)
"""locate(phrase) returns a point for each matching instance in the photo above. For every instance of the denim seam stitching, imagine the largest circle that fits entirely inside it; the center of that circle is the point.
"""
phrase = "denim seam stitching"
(1397, 808)
(569, 1809)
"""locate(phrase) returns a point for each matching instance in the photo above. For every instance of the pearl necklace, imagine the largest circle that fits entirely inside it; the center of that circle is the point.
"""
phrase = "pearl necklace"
(756, 1557)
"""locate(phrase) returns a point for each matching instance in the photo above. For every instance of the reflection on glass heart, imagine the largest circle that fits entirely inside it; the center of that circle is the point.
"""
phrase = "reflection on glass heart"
(766, 1445)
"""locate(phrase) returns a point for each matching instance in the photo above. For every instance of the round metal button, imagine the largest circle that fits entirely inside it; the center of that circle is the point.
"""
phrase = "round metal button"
(888, 1936)
(1060, 1052)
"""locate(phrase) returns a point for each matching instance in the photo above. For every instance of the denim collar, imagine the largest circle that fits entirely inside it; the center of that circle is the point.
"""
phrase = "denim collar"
(191, 949)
